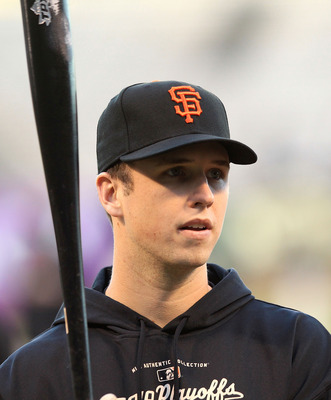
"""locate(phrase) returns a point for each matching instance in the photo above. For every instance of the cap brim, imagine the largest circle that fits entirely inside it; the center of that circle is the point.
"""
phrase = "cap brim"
(239, 153)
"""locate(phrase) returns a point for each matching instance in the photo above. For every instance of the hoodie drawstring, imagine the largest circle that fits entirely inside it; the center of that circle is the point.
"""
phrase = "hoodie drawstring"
(140, 353)
(178, 331)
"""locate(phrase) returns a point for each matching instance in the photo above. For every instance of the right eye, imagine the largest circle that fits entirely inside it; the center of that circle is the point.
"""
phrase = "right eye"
(176, 171)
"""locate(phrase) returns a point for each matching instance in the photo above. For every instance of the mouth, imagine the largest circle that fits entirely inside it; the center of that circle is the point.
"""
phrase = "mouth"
(196, 225)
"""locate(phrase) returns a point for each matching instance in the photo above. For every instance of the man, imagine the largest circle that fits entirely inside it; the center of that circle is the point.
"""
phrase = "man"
(162, 323)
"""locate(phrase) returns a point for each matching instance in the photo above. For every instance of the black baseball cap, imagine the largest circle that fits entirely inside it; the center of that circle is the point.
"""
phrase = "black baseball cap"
(147, 119)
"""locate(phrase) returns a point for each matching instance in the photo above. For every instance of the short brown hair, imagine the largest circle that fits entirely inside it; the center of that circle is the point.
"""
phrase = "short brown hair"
(122, 172)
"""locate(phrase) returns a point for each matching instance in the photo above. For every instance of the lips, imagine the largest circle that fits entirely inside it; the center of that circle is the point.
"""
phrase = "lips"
(196, 225)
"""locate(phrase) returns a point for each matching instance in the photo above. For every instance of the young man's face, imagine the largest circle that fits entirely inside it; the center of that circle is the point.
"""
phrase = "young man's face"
(175, 212)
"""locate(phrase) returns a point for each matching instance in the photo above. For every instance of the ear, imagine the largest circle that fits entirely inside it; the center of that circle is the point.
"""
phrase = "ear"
(108, 194)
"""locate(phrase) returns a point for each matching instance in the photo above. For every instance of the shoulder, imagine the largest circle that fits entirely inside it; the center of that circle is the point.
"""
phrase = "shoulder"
(303, 338)
(282, 319)
(36, 362)
(43, 347)
(281, 314)
(300, 336)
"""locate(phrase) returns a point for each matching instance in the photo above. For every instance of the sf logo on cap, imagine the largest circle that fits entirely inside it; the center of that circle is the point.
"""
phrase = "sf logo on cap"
(189, 99)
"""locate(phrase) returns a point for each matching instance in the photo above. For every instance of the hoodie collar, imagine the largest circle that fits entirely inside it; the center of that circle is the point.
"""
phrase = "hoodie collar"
(228, 295)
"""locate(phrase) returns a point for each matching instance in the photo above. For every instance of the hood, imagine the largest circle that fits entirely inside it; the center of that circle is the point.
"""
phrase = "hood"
(228, 295)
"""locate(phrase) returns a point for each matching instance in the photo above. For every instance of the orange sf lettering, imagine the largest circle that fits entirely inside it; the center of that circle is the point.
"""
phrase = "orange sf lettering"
(189, 99)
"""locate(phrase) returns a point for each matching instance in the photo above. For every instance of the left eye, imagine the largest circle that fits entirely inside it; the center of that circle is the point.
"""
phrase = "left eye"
(215, 173)
(175, 171)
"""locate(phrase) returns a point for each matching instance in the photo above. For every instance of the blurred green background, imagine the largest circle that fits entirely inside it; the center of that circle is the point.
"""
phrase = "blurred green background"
(270, 63)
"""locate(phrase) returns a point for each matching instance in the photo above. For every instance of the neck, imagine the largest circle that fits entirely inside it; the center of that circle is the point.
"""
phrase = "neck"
(155, 293)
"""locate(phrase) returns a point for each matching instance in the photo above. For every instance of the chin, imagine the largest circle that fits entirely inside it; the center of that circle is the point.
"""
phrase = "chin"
(192, 263)
(186, 260)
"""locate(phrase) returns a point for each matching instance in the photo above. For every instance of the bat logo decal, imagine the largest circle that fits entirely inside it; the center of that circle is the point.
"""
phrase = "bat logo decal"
(43, 8)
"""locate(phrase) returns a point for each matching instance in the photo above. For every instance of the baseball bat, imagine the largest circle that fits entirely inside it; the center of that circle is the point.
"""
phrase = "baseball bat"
(52, 81)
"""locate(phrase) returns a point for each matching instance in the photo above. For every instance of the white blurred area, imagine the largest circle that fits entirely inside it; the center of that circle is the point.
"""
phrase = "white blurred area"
(270, 63)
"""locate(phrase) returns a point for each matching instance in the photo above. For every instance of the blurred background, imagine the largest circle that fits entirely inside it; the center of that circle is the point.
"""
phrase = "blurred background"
(269, 61)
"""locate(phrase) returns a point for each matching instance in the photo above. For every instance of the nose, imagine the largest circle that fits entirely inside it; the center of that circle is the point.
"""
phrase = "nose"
(202, 194)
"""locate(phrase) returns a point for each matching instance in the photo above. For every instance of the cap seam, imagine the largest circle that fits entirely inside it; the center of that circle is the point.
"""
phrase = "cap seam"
(128, 141)
(126, 123)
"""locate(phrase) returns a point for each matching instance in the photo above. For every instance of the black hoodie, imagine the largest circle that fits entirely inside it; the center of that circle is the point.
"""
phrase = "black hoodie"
(226, 346)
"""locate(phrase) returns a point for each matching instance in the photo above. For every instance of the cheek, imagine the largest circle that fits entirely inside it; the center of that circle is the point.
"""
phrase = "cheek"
(221, 202)
(157, 217)
(145, 214)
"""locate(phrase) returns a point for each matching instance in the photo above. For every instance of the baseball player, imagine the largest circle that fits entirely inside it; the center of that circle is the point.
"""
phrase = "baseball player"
(163, 322)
